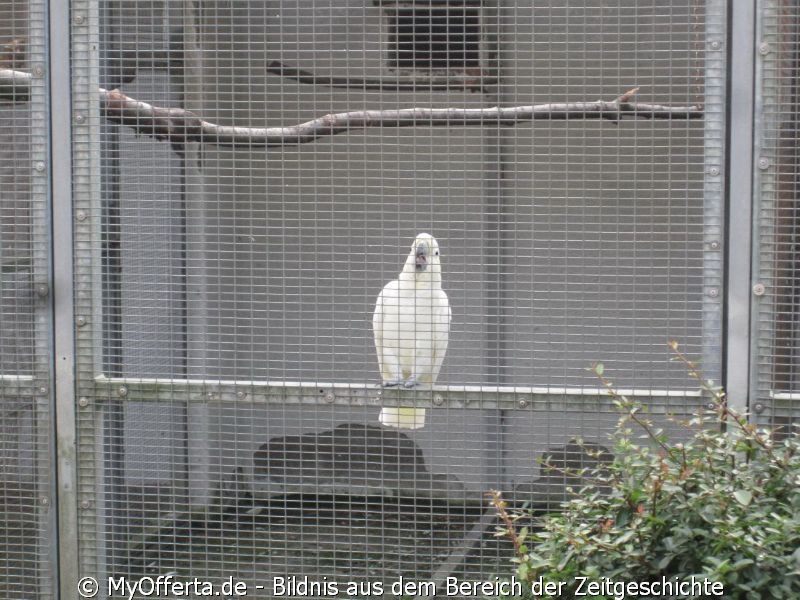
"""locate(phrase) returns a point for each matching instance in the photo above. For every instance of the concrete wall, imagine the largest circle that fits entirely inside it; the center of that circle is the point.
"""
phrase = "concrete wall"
(563, 242)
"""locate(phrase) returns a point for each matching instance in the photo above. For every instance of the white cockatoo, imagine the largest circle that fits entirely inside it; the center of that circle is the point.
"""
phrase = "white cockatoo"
(411, 326)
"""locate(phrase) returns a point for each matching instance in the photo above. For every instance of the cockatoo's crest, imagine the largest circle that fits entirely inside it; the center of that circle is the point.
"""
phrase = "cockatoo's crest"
(423, 263)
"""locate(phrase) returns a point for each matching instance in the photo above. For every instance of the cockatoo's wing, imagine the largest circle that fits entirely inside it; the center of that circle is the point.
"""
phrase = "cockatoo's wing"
(384, 328)
(442, 315)
(377, 330)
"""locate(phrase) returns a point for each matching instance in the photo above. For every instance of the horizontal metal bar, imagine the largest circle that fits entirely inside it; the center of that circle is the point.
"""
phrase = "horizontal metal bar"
(354, 394)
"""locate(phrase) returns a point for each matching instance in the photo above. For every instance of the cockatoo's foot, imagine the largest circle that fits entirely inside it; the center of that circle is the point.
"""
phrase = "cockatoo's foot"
(393, 382)
(410, 382)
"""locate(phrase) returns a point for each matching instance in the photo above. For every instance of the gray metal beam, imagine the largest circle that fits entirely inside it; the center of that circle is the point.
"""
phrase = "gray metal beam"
(64, 355)
(40, 385)
(715, 93)
(199, 391)
(740, 202)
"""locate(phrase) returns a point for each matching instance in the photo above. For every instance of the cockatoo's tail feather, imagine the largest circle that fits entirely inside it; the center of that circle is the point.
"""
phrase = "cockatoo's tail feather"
(403, 418)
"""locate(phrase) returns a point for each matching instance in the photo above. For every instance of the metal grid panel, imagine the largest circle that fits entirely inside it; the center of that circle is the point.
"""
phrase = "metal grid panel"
(776, 283)
(229, 391)
(26, 471)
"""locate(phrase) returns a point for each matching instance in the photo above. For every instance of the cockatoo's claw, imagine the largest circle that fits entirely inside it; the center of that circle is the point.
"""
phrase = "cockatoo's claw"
(393, 383)
(411, 382)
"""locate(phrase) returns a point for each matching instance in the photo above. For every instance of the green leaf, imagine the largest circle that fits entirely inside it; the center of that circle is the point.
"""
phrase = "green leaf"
(664, 562)
(743, 497)
(599, 368)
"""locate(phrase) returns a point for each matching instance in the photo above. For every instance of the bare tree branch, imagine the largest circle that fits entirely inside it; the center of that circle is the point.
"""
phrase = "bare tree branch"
(179, 126)
(473, 81)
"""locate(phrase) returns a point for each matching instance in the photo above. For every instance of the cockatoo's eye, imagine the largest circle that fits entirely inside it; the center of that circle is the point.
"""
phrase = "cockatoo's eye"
(436, 253)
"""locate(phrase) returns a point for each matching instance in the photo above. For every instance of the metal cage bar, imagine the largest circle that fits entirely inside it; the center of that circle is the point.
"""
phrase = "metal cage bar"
(740, 211)
(774, 345)
(85, 508)
(27, 463)
(205, 366)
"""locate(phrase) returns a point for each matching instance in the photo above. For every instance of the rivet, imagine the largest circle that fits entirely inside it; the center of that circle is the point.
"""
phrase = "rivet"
(42, 290)
(42, 390)
(763, 163)
(713, 293)
(713, 171)
(85, 504)
(759, 289)
(716, 45)
(83, 402)
(44, 500)
(329, 397)
(80, 215)
(80, 321)
(763, 48)
(39, 166)
(438, 399)
(714, 245)
(522, 403)
(80, 118)
(122, 391)
(759, 407)
(241, 395)
(79, 19)
(711, 406)
(38, 70)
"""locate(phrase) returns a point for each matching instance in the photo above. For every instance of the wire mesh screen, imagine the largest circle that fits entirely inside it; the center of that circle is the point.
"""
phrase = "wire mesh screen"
(775, 397)
(241, 364)
(25, 413)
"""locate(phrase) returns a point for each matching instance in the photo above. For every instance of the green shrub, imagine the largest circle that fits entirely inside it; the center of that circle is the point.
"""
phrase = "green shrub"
(723, 505)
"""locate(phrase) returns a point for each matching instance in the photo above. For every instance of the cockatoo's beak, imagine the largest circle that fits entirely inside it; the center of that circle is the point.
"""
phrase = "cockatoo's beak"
(422, 256)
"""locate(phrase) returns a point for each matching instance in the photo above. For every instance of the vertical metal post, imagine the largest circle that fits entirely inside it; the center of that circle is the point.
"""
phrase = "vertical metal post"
(715, 95)
(741, 83)
(41, 252)
(87, 289)
(61, 198)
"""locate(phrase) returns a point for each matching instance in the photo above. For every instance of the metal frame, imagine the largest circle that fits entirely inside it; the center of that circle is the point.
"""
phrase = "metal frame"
(479, 397)
(36, 386)
(738, 49)
(714, 188)
(740, 199)
(44, 398)
(761, 306)
(764, 400)
(61, 198)
(74, 114)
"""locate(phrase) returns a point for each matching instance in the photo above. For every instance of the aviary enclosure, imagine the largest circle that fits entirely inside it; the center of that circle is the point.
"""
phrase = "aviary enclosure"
(201, 201)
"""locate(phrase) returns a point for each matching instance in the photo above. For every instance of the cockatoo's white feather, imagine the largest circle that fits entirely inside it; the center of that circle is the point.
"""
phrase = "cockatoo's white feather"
(412, 326)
